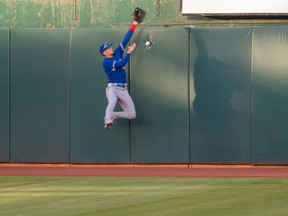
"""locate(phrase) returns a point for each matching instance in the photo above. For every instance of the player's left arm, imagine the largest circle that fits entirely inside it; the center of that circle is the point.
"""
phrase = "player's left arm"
(128, 36)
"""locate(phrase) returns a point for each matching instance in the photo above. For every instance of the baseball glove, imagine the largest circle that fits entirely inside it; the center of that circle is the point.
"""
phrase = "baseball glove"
(139, 15)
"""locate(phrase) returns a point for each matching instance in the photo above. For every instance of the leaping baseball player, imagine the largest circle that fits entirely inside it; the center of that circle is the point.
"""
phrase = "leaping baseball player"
(114, 67)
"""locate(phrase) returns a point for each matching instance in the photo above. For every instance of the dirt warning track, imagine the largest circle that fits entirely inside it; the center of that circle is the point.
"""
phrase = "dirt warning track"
(196, 171)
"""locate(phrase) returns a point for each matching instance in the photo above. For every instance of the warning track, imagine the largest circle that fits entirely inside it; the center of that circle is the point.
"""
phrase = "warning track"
(140, 170)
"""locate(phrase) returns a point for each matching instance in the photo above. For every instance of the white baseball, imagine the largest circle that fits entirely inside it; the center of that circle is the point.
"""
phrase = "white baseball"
(147, 43)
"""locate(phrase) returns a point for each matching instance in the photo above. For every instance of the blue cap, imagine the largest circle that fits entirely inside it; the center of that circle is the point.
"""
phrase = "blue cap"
(104, 47)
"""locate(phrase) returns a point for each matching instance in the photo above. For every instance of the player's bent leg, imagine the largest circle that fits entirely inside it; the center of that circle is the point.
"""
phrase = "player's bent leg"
(112, 100)
(128, 107)
(125, 114)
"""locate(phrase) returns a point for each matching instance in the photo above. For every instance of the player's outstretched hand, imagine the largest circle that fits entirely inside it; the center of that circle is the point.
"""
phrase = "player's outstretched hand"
(131, 48)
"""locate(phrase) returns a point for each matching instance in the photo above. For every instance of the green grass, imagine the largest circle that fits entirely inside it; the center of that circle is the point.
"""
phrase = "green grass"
(85, 196)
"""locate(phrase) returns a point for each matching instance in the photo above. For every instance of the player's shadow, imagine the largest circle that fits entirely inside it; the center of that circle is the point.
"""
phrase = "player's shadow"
(215, 125)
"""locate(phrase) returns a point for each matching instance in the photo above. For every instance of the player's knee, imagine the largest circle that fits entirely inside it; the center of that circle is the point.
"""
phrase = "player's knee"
(132, 115)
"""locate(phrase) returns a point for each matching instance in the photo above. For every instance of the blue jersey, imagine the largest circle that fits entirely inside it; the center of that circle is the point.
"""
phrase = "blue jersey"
(115, 67)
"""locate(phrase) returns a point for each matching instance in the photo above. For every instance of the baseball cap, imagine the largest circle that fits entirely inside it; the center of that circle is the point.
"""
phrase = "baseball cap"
(104, 47)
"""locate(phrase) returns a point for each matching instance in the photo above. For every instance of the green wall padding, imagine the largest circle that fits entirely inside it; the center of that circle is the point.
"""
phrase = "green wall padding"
(90, 142)
(39, 95)
(202, 95)
(159, 87)
(269, 96)
(4, 95)
(220, 95)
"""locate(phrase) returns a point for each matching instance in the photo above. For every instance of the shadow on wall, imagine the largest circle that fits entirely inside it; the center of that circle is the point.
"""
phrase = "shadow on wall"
(216, 127)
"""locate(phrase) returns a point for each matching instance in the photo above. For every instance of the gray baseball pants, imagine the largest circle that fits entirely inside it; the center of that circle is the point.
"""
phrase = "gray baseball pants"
(116, 94)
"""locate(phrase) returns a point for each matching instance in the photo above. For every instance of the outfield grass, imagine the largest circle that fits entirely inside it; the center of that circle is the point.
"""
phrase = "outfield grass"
(86, 196)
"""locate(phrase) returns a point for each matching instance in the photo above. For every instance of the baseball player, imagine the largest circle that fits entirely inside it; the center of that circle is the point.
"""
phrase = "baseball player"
(114, 67)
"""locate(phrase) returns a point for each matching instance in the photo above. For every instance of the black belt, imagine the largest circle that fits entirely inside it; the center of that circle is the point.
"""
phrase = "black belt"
(120, 85)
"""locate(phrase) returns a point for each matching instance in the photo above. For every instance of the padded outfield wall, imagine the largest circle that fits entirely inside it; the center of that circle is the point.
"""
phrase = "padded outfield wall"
(202, 95)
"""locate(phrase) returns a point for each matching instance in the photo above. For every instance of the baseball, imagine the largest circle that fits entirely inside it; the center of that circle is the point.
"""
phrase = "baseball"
(147, 43)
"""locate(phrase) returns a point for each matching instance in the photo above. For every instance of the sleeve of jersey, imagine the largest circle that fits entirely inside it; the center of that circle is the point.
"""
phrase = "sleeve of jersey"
(122, 62)
(128, 35)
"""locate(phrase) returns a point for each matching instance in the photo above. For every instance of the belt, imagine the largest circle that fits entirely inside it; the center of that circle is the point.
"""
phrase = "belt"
(119, 85)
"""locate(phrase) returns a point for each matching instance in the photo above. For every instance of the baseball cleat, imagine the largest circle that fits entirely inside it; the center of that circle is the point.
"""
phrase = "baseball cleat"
(108, 125)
